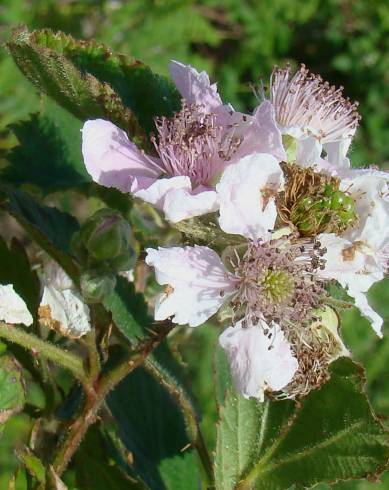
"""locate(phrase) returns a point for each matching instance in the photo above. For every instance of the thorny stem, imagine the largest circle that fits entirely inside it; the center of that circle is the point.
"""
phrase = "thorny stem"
(96, 399)
(67, 360)
(93, 354)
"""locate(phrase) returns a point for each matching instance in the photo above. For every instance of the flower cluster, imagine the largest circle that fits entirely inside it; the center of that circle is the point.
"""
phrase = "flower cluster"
(281, 182)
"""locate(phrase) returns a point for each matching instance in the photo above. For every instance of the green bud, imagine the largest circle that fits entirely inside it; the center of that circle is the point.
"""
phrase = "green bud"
(106, 235)
(124, 262)
(95, 287)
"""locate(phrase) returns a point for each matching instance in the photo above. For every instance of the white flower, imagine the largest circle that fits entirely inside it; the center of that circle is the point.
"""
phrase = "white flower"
(259, 361)
(62, 306)
(198, 283)
(193, 147)
(314, 113)
(359, 258)
(246, 194)
(13, 309)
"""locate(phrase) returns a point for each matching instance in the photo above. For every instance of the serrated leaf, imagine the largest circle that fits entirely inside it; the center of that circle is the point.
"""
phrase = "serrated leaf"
(160, 380)
(331, 435)
(52, 169)
(15, 269)
(153, 430)
(51, 228)
(40, 57)
(90, 81)
(12, 389)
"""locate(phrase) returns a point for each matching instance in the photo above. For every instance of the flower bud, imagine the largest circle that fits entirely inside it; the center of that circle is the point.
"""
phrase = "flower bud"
(95, 287)
(106, 235)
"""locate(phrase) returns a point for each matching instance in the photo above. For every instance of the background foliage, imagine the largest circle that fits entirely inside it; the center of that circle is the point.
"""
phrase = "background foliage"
(346, 41)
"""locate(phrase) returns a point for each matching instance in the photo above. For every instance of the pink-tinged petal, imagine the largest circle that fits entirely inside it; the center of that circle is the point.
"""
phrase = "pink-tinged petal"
(194, 87)
(246, 192)
(262, 134)
(348, 263)
(337, 151)
(111, 158)
(370, 190)
(154, 191)
(183, 203)
(13, 309)
(308, 151)
(198, 283)
(68, 310)
(258, 362)
(355, 270)
(367, 311)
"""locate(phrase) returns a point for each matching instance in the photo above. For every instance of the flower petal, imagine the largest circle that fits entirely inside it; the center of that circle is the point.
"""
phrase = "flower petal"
(246, 194)
(155, 191)
(354, 270)
(367, 311)
(370, 190)
(183, 203)
(198, 283)
(257, 361)
(13, 309)
(111, 158)
(194, 87)
(262, 134)
(337, 151)
(65, 311)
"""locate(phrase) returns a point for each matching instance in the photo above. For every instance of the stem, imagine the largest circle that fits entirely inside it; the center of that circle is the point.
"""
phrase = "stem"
(96, 399)
(67, 360)
(93, 354)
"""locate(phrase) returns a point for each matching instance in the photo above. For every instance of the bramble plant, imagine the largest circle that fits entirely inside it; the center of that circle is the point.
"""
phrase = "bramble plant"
(257, 229)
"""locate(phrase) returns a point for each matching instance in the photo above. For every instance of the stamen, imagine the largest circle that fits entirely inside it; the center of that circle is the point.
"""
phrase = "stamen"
(278, 281)
(191, 143)
(304, 99)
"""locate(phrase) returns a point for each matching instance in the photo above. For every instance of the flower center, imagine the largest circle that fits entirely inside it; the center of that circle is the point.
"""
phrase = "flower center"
(278, 285)
(278, 281)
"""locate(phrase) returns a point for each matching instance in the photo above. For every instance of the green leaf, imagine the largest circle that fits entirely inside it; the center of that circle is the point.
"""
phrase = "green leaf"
(56, 168)
(330, 435)
(91, 82)
(51, 228)
(139, 402)
(15, 269)
(12, 389)
(95, 470)
(153, 429)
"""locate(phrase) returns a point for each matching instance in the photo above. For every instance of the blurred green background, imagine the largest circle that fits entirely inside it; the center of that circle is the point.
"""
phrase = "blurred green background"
(237, 42)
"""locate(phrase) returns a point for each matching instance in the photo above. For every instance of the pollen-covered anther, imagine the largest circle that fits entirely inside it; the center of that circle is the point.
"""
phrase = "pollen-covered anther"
(192, 143)
(278, 281)
(304, 99)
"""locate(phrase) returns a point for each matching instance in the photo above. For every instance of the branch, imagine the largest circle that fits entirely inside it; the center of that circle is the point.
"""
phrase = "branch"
(67, 360)
(95, 400)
